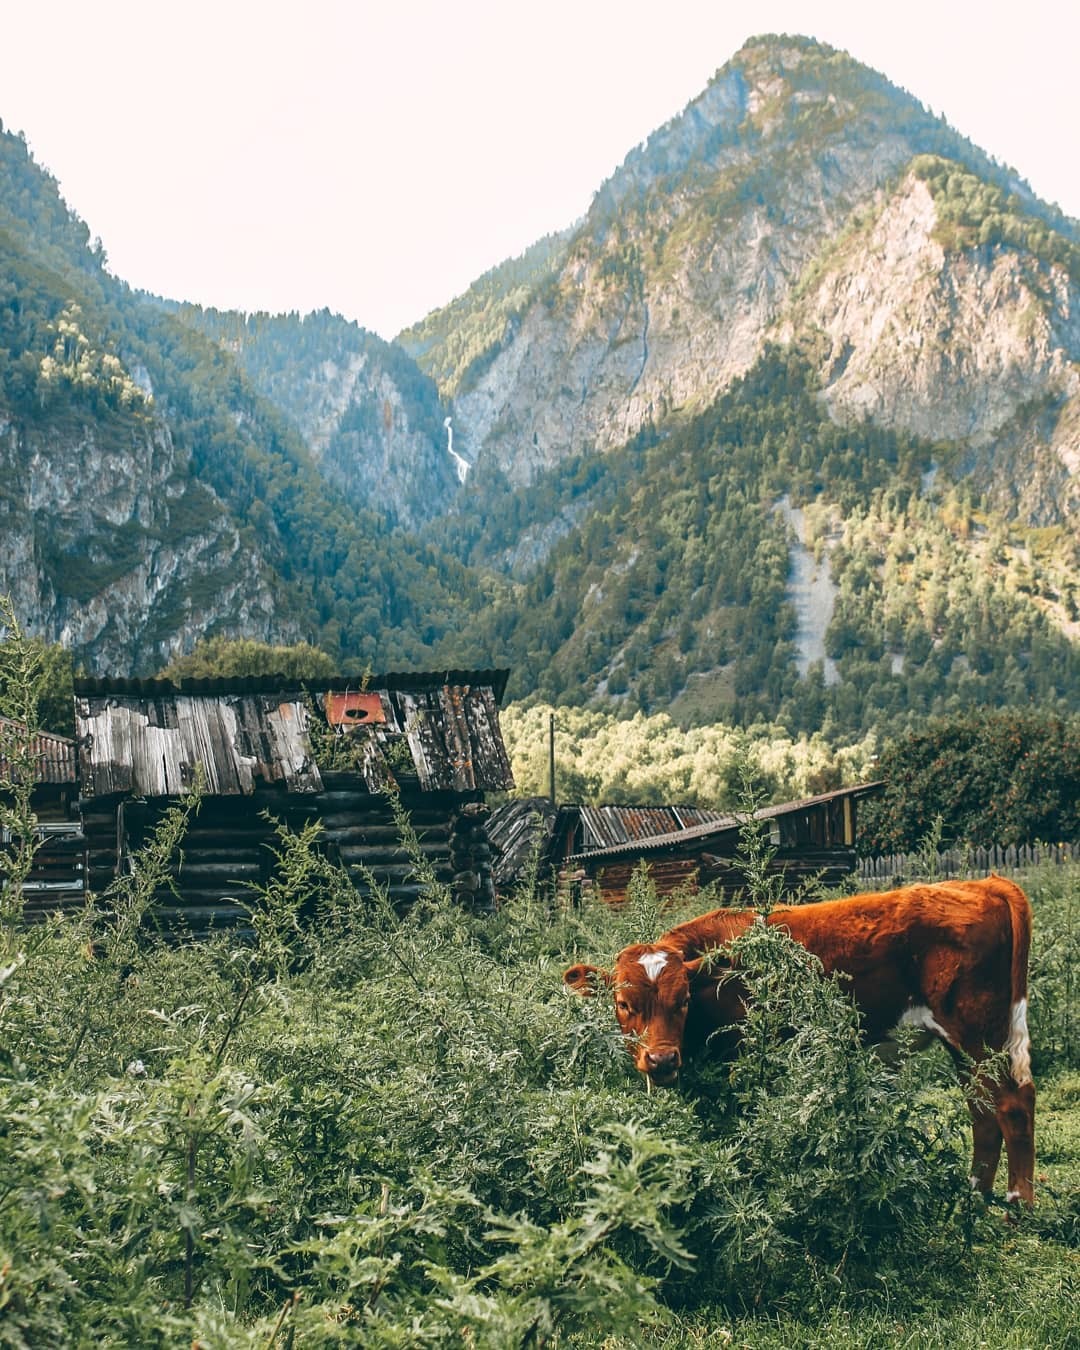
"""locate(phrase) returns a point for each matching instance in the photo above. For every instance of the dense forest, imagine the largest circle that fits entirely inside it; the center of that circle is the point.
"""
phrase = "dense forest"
(665, 586)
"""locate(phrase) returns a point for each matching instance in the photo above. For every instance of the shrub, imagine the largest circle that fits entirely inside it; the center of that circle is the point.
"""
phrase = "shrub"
(385, 1130)
(994, 777)
(1055, 963)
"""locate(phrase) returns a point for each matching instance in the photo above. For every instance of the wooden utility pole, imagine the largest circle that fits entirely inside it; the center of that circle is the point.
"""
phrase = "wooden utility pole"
(551, 757)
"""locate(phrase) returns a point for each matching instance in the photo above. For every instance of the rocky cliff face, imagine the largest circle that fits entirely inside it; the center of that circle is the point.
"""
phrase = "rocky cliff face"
(692, 256)
(686, 257)
(979, 346)
(112, 550)
(370, 418)
(381, 450)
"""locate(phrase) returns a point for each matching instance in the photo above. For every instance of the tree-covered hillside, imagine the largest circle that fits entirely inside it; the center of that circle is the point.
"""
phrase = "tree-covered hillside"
(670, 592)
(370, 418)
(806, 327)
(456, 343)
(186, 455)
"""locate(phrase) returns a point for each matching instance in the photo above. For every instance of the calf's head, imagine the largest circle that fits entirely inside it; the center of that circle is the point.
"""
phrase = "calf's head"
(652, 988)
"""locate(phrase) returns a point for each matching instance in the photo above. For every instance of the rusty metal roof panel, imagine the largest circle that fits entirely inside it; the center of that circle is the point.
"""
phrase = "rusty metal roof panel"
(611, 826)
(517, 832)
(53, 756)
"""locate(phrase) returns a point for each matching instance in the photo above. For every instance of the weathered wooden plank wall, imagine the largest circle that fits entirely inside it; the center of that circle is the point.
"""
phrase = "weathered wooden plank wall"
(611, 881)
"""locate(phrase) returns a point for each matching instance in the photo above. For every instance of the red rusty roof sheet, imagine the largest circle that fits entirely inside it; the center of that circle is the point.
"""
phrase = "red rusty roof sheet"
(53, 755)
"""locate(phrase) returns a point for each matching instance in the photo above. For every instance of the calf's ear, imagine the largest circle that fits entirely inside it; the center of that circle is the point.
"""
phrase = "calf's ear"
(702, 966)
(585, 979)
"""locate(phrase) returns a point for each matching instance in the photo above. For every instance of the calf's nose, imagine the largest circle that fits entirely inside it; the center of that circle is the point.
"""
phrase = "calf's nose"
(662, 1061)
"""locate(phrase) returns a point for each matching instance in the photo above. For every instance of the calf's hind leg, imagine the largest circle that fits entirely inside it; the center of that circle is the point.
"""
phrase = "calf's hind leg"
(1015, 1114)
(1002, 1110)
(988, 1140)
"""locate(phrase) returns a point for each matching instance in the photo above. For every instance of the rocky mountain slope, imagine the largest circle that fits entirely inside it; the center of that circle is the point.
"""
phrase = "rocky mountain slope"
(938, 318)
(110, 548)
(371, 420)
(152, 495)
(784, 202)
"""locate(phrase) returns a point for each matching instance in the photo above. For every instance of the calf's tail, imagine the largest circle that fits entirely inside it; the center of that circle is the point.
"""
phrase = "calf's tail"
(1018, 1042)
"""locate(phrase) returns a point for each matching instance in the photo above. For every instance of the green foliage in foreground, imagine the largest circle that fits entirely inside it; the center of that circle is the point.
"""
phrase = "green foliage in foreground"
(372, 1130)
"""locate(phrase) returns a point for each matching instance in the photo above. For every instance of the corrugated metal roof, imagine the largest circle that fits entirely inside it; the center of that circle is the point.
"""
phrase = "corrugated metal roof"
(53, 755)
(146, 737)
(607, 826)
(515, 831)
(720, 824)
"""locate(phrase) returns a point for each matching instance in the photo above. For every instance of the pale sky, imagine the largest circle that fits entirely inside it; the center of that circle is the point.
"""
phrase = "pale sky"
(376, 158)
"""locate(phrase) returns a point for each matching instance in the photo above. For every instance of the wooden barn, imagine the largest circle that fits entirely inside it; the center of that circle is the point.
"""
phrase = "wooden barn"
(596, 848)
(269, 751)
(812, 838)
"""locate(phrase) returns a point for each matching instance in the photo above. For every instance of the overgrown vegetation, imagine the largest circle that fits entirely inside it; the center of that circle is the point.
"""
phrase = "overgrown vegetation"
(226, 658)
(365, 1128)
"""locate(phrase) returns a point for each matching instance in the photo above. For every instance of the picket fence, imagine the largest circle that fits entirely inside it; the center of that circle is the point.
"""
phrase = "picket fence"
(965, 862)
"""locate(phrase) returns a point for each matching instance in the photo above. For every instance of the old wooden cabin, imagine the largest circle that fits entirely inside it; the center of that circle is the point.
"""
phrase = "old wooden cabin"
(57, 876)
(595, 849)
(271, 751)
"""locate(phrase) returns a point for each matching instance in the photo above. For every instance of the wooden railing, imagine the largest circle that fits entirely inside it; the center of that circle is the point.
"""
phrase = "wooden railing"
(965, 862)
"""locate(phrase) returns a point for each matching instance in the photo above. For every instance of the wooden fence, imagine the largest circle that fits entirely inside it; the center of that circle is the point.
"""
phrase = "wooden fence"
(964, 862)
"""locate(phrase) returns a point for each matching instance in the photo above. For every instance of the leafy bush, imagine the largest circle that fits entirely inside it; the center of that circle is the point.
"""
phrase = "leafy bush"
(994, 777)
(400, 1131)
(225, 658)
(841, 1168)
(1055, 963)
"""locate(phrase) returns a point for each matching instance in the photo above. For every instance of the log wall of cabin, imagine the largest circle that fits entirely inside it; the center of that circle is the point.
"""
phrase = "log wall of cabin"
(610, 879)
(229, 848)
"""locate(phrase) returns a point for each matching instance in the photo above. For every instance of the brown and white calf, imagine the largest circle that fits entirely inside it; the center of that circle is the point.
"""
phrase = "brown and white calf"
(950, 959)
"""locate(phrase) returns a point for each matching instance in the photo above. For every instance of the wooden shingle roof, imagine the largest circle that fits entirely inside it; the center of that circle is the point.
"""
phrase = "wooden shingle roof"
(146, 738)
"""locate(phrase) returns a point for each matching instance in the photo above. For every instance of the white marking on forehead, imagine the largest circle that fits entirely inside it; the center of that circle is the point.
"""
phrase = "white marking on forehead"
(653, 964)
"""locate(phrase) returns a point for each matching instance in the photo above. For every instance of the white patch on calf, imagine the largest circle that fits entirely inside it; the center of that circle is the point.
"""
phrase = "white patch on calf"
(653, 964)
(1019, 1045)
(923, 1018)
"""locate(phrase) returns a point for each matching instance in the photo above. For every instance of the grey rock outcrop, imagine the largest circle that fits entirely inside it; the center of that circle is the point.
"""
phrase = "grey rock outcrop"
(112, 550)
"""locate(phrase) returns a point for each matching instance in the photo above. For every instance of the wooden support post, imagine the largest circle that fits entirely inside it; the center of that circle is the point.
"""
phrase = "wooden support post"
(551, 757)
